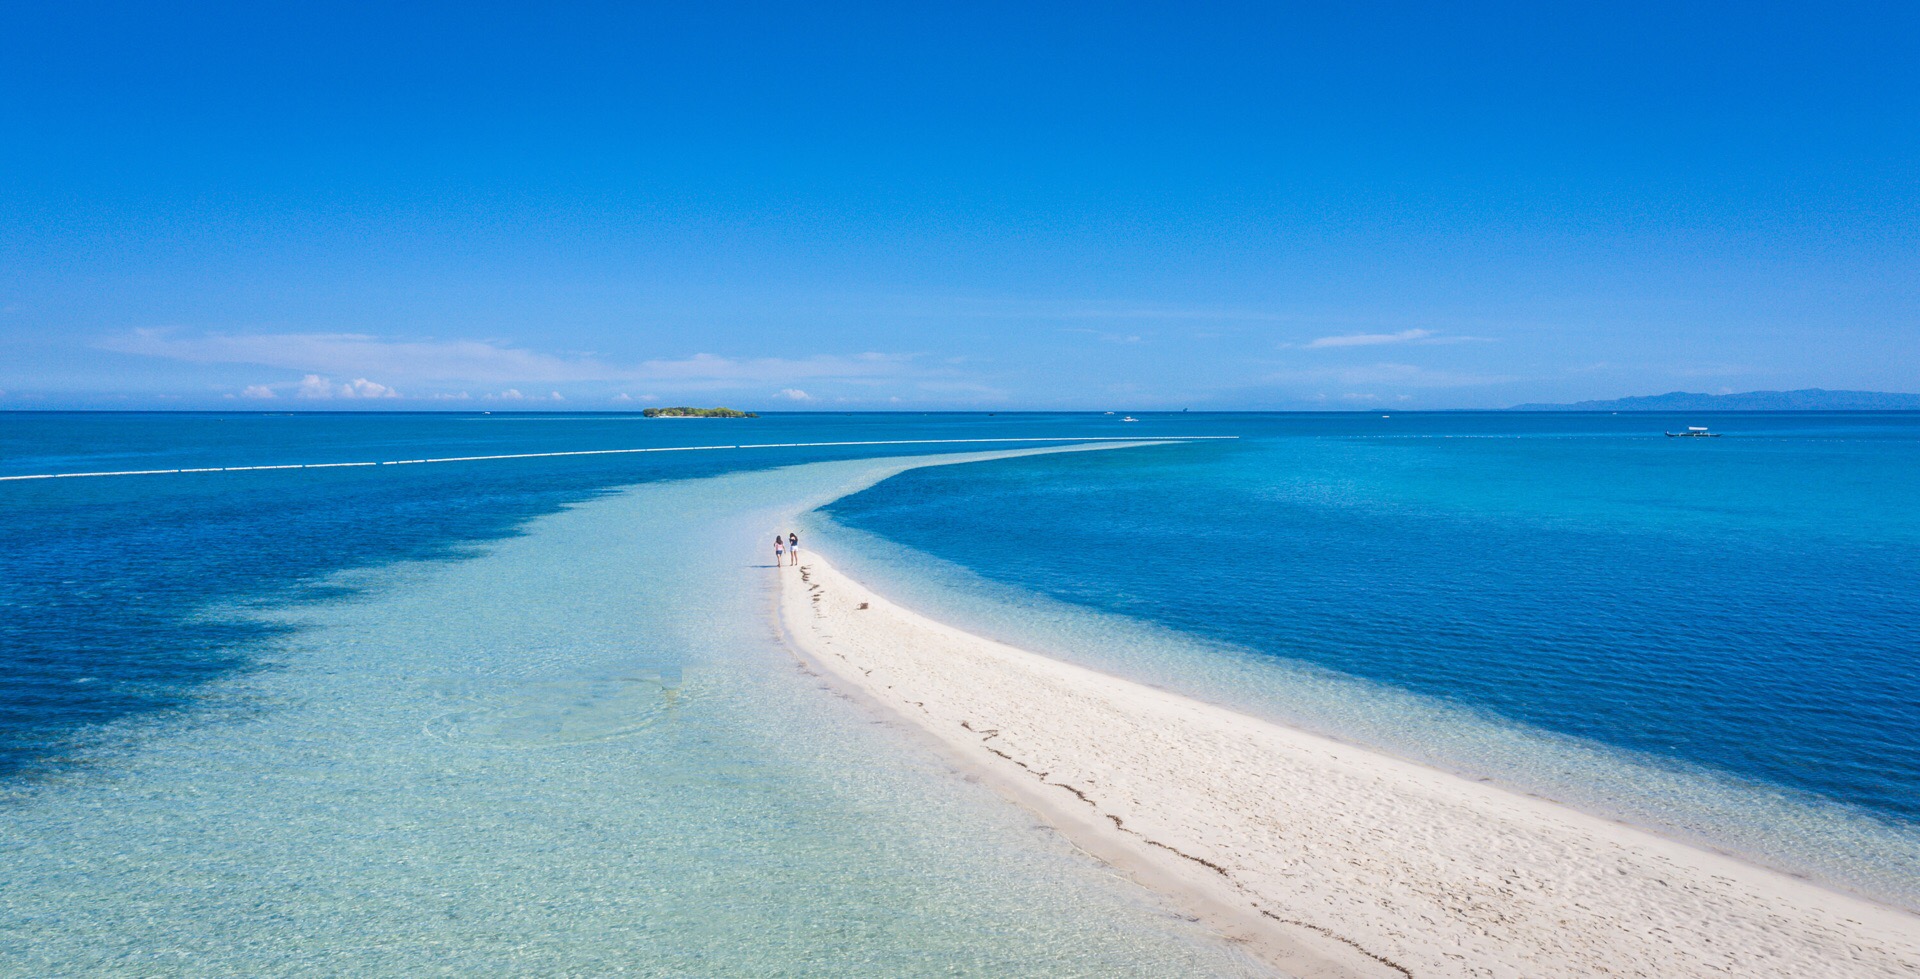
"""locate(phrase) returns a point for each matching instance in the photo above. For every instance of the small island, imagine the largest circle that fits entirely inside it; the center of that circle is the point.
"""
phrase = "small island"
(684, 412)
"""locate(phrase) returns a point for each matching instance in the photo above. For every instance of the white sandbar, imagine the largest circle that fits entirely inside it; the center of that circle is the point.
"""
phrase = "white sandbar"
(1330, 860)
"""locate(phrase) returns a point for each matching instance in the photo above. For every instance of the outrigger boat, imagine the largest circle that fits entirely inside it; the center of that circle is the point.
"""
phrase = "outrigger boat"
(1693, 432)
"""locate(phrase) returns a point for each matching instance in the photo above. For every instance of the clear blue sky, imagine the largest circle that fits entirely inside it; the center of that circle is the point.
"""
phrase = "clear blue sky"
(972, 205)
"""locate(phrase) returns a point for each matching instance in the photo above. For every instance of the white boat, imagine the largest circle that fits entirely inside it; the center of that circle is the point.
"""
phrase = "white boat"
(1129, 418)
(1693, 432)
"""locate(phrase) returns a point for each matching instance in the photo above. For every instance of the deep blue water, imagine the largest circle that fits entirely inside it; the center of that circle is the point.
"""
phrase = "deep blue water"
(565, 743)
(104, 582)
(1748, 604)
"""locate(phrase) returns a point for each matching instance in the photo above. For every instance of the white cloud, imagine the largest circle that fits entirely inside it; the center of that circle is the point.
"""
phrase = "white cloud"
(428, 362)
(360, 387)
(1423, 337)
(354, 353)
(555, 396)
(257, 391)
(793, 394)
(1369, 339)
(315, 387)
(623, 396)
(510, 394)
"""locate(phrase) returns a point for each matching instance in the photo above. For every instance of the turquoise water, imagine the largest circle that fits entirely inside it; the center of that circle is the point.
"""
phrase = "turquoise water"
(574, 749)
(1717, 637)
(105, 578)
(531, 715)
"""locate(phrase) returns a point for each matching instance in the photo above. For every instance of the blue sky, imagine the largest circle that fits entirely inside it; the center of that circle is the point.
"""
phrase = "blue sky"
(970, 205)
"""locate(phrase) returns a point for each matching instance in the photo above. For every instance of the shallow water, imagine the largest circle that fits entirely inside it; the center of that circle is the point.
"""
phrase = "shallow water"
(1712, 637)
(104, 580)
(526, 715)
(581, 751)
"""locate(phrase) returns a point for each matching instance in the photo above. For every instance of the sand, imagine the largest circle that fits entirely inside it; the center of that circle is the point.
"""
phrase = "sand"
(1327, 859)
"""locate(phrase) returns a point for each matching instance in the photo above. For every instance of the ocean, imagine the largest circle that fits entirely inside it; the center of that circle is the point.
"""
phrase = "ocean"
(1719, 638)
(467, 717)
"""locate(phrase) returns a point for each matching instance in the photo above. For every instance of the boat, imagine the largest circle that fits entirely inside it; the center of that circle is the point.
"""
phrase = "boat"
(1129, 418)
(1694, 432)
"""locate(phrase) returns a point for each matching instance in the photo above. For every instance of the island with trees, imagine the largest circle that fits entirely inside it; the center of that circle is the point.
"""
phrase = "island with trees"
(684, 412)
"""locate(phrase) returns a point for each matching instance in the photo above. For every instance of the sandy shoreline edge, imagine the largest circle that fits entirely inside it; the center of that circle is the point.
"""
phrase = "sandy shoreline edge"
(1323, 858)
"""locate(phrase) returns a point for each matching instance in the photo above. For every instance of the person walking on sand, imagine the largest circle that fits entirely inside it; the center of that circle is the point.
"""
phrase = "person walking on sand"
(793, 548)
(779, 550)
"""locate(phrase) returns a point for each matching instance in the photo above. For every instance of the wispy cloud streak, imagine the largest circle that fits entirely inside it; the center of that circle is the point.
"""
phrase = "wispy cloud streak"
(489, 362)
(1381, 339)
(1369, 339)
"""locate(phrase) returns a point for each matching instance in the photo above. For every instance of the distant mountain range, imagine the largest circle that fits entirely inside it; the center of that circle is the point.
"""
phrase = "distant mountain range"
(1810, 399)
